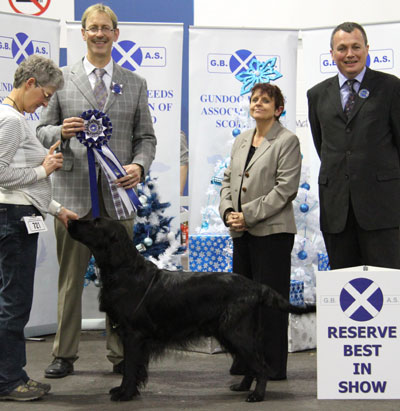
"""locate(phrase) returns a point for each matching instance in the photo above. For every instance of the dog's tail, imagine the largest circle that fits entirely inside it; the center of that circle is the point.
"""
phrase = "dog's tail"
(273, 299)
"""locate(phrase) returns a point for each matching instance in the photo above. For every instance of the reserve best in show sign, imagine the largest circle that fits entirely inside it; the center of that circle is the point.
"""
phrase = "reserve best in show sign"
(358, 333)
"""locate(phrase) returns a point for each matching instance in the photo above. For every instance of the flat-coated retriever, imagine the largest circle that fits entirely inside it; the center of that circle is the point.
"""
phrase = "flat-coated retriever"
(154, 309)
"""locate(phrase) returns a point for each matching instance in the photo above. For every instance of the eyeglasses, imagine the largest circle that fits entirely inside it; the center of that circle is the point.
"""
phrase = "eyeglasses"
(46, 95)
(105, 30)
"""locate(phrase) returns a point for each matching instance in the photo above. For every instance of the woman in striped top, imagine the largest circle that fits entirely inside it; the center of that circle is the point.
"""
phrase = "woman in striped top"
(25, 190)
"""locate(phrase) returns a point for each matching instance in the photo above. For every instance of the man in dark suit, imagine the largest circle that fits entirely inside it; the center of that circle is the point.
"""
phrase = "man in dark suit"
(133, 142)
(356, 131)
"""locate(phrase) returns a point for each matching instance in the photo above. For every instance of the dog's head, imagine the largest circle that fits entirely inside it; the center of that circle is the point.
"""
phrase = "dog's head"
(107, 239)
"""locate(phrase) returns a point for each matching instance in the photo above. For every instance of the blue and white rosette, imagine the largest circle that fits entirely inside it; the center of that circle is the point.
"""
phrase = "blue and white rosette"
(98, 130)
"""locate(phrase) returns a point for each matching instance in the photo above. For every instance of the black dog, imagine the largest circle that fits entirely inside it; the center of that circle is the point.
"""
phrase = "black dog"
(154, 309)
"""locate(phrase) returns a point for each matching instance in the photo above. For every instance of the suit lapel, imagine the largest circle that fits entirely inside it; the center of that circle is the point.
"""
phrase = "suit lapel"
(367, 84)
(333, 93)
(118, 78)
(245, 147)
(266, 144)
(81, 81)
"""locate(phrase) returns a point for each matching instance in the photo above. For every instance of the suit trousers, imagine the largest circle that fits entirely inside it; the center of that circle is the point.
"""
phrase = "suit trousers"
(355, 246)
(267, 260)
(73, 258)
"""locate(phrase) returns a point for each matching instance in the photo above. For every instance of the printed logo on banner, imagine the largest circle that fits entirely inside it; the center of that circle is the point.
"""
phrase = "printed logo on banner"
(246, 66)
(21, 46)
(376, 59)
(31, 7)
(129, 55)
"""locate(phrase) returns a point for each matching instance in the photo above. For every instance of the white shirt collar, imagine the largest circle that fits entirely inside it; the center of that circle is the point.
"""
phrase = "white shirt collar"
(89, 67)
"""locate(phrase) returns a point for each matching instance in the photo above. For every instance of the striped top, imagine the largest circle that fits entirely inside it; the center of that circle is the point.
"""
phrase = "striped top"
(23, 179)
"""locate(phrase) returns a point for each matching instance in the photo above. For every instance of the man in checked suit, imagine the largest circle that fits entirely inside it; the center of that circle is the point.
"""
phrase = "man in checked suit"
(132, 141)
(356, 132)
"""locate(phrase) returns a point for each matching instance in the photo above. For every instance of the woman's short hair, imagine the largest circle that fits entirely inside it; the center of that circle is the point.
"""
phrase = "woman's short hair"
(42, 69)
(273, 92)
(99, 8)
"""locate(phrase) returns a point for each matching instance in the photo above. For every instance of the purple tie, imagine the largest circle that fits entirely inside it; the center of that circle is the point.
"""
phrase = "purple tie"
(351, 99)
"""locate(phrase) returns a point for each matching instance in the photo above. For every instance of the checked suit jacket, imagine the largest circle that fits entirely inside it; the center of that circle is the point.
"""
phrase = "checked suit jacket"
(132, 140)
(360, 156)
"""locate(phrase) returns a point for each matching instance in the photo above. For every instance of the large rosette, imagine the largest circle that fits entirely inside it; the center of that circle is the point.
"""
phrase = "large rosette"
(98, 129)
(95, 137)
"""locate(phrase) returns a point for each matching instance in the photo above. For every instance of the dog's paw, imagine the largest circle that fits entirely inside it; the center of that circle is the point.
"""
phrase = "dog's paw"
(115, 389)
(238, 387)
(244, 385)
(118, 394)
(254, 397)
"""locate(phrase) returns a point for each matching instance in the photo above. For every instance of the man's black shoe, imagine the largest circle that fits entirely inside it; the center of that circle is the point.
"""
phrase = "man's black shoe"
(118, 368)
(59, 368)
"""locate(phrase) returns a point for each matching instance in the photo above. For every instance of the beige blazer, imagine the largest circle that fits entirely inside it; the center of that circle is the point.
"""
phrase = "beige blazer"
(267, 186)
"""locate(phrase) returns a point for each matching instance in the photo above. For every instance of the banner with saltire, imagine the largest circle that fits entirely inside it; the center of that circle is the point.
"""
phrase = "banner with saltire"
(224, 64)
(154, 51)
(384, 55)
(20, 37)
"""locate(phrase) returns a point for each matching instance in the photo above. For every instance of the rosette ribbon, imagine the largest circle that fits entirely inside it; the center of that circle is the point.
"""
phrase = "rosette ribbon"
(95, 137)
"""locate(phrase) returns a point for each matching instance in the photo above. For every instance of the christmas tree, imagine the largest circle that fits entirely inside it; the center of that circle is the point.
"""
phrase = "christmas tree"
(152, 233)
(309, 252)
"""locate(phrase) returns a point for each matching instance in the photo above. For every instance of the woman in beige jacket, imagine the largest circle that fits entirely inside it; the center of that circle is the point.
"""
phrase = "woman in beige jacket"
(256, 204)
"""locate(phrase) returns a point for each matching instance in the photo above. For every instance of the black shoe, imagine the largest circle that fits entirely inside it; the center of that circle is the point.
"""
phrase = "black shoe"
(118, 368)
(59, 368)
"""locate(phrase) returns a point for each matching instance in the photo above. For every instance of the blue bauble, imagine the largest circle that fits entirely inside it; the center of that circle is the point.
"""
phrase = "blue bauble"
(305, 186)
(302, 255)
(148, 242)
(304, 207)
(235, 132)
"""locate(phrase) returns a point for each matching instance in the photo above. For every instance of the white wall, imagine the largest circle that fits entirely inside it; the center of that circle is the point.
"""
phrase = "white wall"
(292, 13)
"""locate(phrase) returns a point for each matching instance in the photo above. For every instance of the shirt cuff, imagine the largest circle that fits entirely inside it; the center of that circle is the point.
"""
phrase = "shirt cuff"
(40, 172)
(54, 206)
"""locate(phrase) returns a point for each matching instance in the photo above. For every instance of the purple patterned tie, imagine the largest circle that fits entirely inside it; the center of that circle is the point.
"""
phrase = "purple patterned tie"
(351, 99)
(100, 93)
(100, 90)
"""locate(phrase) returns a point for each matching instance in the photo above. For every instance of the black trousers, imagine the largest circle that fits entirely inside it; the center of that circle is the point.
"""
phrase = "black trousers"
(267, 260)
(355, 246)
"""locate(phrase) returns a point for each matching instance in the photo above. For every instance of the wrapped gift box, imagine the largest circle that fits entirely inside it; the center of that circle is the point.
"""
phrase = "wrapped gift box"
(323, 262)
(296, 295)
(210, 253)
(302, 333)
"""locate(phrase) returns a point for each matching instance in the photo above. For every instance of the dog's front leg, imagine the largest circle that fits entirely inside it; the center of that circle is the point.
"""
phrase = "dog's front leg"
(259, 392)
(135, 367)
(244, 385)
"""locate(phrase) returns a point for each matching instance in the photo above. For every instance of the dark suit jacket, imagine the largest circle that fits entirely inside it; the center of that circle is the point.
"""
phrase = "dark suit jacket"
(360, 157)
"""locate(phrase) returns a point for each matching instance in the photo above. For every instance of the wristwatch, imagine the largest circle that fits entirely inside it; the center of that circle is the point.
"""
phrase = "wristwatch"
(58, 211)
